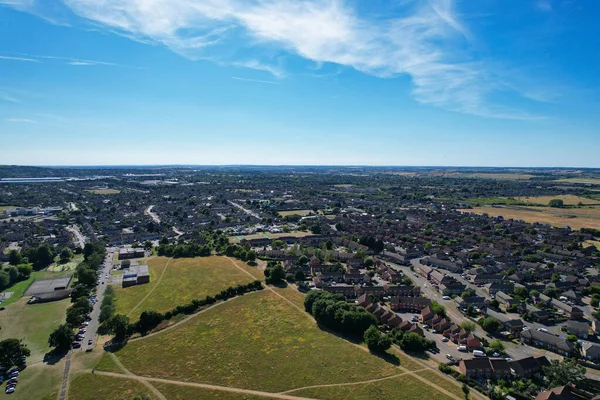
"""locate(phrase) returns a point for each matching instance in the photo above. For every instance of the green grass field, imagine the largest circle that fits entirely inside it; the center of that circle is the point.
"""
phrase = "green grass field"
(445, 382)
(33, 323)
(256, 342)
(403, 387)
(185, 279)
(97, 387)
(176, 392)
(40, 382)
(18, 290)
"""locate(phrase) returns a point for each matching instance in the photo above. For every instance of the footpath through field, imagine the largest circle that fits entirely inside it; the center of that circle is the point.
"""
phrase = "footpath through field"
(151, 290)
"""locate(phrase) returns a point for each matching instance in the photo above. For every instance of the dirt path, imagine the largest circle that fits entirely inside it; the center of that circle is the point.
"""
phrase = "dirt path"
(186, 319)
(350, 383)
(144, 382)
(143, 379)
(151, 290)
(62, 394)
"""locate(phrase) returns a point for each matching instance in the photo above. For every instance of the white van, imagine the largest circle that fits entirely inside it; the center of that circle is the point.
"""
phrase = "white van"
(478, 353)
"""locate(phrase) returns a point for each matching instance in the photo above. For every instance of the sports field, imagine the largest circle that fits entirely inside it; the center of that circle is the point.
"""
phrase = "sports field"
(576, 218)
(178, 281)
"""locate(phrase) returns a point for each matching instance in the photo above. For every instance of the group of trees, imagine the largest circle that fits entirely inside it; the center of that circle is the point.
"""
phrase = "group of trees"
(376, 341)
(372, 242)
(107, 307)
(40, 257)
(12, 353)
(13, 274)
(411, 341)
(490, 324)
(184, 250)
(334, 312)
(274, 273)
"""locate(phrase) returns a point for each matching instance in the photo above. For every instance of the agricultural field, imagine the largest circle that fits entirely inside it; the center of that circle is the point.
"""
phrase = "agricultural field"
(265, 343)
(576, 218)
(267, 235)
(33, 323)
(178, 281)
(583, 181)
(568, 199)
(104, 191)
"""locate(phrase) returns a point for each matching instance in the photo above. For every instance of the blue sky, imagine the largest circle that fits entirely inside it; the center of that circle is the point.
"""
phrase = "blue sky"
(405, 82)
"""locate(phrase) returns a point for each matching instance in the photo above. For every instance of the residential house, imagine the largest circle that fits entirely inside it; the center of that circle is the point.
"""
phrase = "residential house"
(596, 326)
(557, 393)
(548, 341)
(485, 368)
(409, 303)
(529, 366)
(510, 324)
(475, 301)
(493, 288)
(452, 288)
(591, 352)
(536, 314)
(472, 342)
(579, 329)
(505, 299)
(571, 312)
(439, 277)
(424, 271)
(483, 279)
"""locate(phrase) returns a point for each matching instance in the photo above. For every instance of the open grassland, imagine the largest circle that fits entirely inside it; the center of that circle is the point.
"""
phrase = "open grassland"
(568, 199)
(267, 235)
(66, 267)
(576, 218)
(128, 298)
(594, 243)
(97, 387)
(108, 364)
(104, 191)
(33, 323)
(403, 387)
(584, 181)
(183, 280)
(443, 381)
(301, 213)
(18, 289)
(257, 341)
(177, 392)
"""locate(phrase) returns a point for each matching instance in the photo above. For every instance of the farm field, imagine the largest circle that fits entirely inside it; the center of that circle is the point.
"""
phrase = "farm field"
(576, 218)
(267, 235)
(183, 280)
(97, 387)
(568, 199)
(104, 191)
(259, 342)
(33, 323)
(585, 181)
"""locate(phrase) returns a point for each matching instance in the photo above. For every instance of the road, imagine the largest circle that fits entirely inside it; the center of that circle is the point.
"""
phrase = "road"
(515, 351)
(78, 235)
(152, 215)
(103, 275)
(249, 212)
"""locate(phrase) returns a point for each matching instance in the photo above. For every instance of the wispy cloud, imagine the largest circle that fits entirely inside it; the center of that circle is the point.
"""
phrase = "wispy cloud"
(544, 5)
(24, 120)
(9, 98)
(237, 78)
(425, 40)
(26, 59)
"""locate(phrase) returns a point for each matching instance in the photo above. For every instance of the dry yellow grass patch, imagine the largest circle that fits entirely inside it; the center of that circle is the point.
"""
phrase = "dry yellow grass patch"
(568, 199)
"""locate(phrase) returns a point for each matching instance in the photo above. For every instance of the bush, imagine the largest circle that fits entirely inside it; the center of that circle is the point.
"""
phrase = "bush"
(445, 368)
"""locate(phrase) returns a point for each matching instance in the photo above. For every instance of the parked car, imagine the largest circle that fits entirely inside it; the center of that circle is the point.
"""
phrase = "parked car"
(478, 353)
(447, 298)
(462, 348)
(496, 354)
(449, 357)
(75, 345)
(10, 389)
(90, 342)
(445, 339)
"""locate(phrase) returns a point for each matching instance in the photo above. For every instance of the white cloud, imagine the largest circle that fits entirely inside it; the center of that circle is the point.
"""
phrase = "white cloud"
(9, 98)
(237, 78)
(544, 5)
(25, 120)
(427, 42)
(26, 59)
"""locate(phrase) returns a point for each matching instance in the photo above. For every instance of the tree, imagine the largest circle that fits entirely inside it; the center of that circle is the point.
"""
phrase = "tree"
(119, 326)
(44, 256)
(521, 291)
(572, 338)
(468, 326)
(495, 303)
(414, 342)
(13, 275)
(87, 276)
(466, 390)
(299, 276)
(65, 255)
(12, 352)
(251, 256)
(302, 260)
(75, 316)
(490, 324)
(276, 274)
(149, 320)
(147, 244)
(496, 345)
(568, 372)
(376, 342)
(14, 257)
(25, 270)
(316, 229)
(4, 280)
(61, 338)
(437, 308)
(558, 203)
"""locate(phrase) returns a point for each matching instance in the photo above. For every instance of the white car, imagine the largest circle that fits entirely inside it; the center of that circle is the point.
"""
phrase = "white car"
(445, 339)
(10, 389)
(446, 298)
